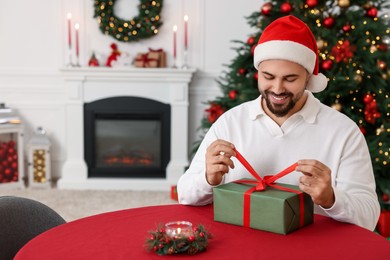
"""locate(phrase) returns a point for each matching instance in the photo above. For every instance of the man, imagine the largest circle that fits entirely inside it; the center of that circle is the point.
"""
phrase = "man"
(284, 125)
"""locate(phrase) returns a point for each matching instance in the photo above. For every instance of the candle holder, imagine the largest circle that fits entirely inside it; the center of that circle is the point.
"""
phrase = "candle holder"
(178, 229)
(77, 61)
(185, 60)
(70, 63)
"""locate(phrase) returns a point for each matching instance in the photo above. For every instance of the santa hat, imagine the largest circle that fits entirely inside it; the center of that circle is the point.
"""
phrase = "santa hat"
(288, 38)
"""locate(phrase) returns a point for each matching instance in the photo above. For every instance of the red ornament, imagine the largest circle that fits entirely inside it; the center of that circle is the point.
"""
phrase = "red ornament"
(286, 8)
(363, 130)
(250, 41)
(371, 112)
(115, 53)
(233, 94)
(343, 51)
(382, 47)
(241, 71)
(346, 28)
(329, 22)
(266, 9)
(368, 98)
(256, 76)
(312, 3)
(327, 64)
(385, 197)
(372, 12)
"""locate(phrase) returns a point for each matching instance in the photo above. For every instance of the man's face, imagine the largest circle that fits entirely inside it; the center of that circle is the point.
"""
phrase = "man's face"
(282, 84)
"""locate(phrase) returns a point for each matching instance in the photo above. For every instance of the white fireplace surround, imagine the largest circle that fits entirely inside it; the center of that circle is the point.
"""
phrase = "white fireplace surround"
(84, 85)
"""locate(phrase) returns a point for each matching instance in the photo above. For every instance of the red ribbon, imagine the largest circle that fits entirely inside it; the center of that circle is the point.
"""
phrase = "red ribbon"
(157, 50)
(145, 59)
(261, 184)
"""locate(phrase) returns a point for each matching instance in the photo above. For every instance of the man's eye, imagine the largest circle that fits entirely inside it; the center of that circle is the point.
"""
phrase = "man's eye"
(268, 77)
(291, 79)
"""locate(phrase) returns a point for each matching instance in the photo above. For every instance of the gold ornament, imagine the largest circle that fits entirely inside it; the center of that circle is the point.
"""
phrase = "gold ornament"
(358, 78)
(380, 130)
(337, 106)
(373, 48)
(344, 3)
(320, 44)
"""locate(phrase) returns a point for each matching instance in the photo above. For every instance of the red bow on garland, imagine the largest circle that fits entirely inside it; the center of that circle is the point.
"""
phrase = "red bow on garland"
(261, 185)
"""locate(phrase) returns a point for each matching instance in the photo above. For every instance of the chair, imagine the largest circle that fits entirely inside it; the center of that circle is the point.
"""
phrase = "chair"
(22, 219)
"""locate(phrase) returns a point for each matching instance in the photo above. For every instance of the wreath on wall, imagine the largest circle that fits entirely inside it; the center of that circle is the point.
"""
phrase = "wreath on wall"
(142, 26)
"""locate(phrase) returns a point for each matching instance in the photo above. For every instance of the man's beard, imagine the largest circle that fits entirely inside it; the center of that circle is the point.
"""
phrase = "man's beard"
(280, 110)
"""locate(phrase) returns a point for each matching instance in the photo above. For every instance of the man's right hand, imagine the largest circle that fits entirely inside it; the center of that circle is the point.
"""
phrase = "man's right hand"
(218, 161)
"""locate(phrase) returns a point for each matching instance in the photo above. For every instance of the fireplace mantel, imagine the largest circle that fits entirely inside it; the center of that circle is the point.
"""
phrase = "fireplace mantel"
(84, 85)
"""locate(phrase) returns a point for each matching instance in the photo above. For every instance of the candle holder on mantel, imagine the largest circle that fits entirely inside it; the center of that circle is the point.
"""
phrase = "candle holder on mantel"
(70, 63)
(39, 159)
(185, 60)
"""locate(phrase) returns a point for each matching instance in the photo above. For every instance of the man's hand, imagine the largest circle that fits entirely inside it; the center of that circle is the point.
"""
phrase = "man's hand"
(218, 161)
(316, 182)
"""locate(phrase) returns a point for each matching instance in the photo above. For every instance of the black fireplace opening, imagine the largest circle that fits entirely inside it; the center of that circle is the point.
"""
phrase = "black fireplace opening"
(127, 137)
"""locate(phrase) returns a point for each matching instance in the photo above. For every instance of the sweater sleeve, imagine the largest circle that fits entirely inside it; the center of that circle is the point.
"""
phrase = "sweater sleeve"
(192, 187)
(354, 186)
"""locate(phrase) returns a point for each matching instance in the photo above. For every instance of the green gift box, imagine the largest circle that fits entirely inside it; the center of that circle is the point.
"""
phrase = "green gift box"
(271, 210)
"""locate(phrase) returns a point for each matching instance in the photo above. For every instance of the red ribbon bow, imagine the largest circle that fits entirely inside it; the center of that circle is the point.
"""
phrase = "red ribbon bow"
(261, 184)
(155, 50)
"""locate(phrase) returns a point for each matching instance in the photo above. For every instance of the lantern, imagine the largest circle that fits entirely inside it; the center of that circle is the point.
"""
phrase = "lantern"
(11, 154)
(39, 160)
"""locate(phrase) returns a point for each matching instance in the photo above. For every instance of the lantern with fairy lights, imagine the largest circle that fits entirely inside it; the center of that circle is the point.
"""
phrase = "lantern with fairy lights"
(39, 159)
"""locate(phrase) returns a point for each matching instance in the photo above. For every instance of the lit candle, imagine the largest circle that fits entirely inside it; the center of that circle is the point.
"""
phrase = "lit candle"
(77, 27)
(177, 229)
(69, 30)
(174, 41)
(186, 32)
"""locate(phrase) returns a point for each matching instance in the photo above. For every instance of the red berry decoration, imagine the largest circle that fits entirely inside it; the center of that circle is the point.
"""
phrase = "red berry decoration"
(329, 22)
(312, 3)
(266, 9)
(286, 8)
(372, 12)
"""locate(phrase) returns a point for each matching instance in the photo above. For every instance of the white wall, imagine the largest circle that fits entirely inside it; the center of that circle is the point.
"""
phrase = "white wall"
(33, 47)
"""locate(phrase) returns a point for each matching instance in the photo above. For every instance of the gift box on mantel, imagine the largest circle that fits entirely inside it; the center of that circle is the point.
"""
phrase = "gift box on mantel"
(263, 204)
(146, 60)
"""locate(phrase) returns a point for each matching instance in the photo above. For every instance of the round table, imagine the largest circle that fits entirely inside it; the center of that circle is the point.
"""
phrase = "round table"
(122, 235)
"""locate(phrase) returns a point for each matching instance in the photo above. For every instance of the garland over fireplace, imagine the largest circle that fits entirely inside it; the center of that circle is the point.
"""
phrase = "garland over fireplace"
(127, 137)
(88, 85)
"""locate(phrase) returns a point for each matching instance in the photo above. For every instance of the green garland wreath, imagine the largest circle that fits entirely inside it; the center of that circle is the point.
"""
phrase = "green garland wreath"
(143, 26)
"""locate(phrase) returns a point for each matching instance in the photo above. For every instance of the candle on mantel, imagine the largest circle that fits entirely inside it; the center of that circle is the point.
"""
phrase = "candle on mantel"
(174, 40)
(77, 27)
(186, 32)
(69, 30)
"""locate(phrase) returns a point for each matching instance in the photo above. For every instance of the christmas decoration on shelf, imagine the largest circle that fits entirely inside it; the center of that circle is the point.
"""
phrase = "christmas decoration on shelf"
(115, 53)
(8, 162)
(93, 61)
(162, 244)
(155, 58)
(39, 173)
(145, 25)
(353, 39)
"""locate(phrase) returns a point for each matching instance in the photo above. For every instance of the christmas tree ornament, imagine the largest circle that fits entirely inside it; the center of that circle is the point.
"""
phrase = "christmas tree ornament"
(233, 94)
(266, 9)
(380, 130)
(382, 65)
(327, 65)
(241, 71)
(372, 12)
(347, 28)
(286, 8)
(256, 76)
(312, 3)
(385, 197)
(363, 130)
(382, 47)
(343, 51)
(337, 106)
(251, 40)
(320, 44)
(344, 3)
(358, 78)
(329, 22)
(373, 48)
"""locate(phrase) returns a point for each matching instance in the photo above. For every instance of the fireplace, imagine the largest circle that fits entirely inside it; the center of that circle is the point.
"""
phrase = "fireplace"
(116, 102)
(127, 137)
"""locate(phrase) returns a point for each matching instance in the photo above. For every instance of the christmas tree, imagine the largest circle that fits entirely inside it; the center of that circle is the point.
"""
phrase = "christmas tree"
(353, 41)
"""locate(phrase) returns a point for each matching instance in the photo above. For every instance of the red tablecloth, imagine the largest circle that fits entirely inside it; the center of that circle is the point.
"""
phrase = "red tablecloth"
(122, 234)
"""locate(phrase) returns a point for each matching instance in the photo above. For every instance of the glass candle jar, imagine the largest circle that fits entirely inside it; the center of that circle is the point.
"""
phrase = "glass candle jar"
(177, 229)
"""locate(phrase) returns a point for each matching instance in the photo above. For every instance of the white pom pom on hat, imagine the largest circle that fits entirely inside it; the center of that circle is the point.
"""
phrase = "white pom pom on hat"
(289, 38)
